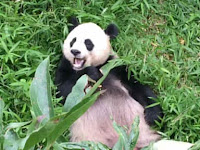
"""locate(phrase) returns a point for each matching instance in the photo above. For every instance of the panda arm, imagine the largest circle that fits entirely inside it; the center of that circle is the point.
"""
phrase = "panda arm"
(93, 72)
(141, 93)
(65, 78)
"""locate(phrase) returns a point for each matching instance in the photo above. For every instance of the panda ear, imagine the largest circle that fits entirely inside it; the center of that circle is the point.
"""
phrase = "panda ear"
(112, 31)
(73, 23)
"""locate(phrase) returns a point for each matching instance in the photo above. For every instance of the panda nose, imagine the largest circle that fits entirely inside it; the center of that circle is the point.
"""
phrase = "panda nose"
(75, 52)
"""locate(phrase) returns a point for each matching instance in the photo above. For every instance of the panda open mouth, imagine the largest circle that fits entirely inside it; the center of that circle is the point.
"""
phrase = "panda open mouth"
(78, 63)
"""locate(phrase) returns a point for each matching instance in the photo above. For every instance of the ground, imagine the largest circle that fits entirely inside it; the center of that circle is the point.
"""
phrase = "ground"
(159, 41)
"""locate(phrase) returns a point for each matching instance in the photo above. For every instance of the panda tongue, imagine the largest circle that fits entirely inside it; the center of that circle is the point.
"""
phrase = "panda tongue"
(78, 62)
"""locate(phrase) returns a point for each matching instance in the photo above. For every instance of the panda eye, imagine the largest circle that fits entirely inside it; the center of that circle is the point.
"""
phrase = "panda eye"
(72, 42)
(89, 45)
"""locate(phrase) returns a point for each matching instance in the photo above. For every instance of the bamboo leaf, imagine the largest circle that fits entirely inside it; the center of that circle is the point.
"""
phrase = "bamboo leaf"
(53, 128)
(122, 142)
(77, 93)
(14, 47)
(125, 141)
(40, 91)
(1, 115)
(73, 115)
(16, 125)
(134, 134)
(57, 125)
(11, 141)
(86, 145)
(1, 123)
(105, 69)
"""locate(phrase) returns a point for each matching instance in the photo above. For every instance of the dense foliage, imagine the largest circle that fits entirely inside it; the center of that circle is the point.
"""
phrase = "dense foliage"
(159, 41)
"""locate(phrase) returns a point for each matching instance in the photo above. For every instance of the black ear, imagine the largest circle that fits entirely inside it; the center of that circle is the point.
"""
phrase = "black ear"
(73, 23)
(112, 31)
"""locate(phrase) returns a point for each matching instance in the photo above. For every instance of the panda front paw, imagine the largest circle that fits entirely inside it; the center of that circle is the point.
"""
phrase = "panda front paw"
(93, 73)
(153, 114)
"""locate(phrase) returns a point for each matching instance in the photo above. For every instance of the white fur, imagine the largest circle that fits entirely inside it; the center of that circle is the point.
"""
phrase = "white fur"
(171, 145)
(96, 124)
(101, 41)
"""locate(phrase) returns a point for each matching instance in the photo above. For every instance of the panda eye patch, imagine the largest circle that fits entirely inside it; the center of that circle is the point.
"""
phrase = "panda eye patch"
(89, 45)
(72, 42)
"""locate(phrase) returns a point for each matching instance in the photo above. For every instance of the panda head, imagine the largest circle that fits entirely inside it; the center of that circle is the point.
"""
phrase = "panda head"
(88, 45)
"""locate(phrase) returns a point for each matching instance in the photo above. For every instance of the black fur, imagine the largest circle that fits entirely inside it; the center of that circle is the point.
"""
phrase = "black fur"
(66, 78)
(75, 52)
(89, 45)
(72, 42)
(73, 23)
(141, 93)
(112, 31)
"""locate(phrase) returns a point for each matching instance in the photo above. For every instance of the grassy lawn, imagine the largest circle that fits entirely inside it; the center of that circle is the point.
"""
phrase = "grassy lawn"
(159, 40)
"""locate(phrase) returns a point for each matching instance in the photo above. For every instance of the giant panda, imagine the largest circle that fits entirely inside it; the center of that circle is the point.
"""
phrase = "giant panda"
(86, 49)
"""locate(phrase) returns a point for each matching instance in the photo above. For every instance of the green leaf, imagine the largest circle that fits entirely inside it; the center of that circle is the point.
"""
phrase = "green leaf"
(14, 46)
(117, 5)
(165, 70)
(86, 145)
(73, 146)
(53, 128)
(77, 93)
(39, 134)
(1, 123)
(110, 65)
(134, 134)
(1, 115)
(125, 141)
(4, 45)
(73, 115)
(122, 142)
(196, 146)
(57, 146)
(17, 125)
(11, 141)
(40, 91)
(146, 3)
(57, 125)
(105, 70)
(149, 147)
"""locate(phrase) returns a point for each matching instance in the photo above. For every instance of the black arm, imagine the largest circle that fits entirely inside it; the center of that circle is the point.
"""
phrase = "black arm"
(141, 93)
(66, 77)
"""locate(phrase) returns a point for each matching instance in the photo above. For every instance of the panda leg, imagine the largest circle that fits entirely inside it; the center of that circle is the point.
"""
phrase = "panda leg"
(140, 93)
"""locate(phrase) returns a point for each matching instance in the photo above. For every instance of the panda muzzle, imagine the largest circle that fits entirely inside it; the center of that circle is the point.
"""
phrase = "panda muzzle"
(78, 63)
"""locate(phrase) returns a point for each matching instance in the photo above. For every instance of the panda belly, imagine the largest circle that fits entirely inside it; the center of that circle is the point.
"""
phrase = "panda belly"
(115, 103)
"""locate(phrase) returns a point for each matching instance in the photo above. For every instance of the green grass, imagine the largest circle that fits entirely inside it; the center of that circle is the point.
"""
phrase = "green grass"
(159, 41)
